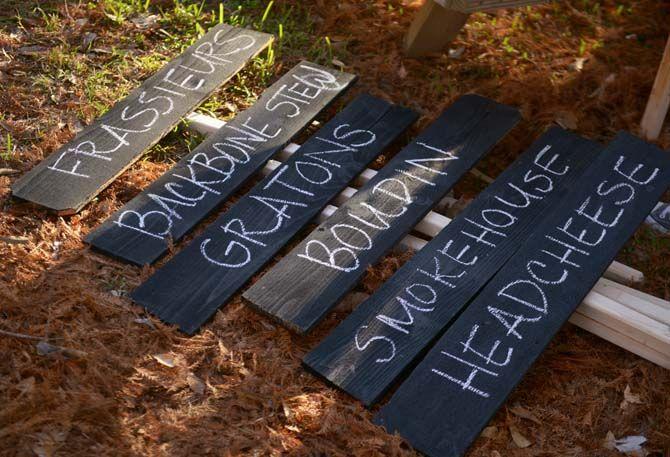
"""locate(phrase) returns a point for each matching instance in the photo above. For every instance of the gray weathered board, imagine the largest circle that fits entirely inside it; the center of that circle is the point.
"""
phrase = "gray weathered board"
(381, 338)
(203, 276)
(314, 276)
(471, 6)
(72, 176)
(143, 230)
(463, 380)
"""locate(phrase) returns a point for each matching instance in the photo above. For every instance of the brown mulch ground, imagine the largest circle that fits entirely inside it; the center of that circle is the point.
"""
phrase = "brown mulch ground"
(237, 387)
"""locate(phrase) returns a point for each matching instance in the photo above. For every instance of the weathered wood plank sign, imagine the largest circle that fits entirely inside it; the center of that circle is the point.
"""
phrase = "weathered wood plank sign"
(380, 340)
(311, 279)
(141, 231)
(202, 277)
(70, 177)
(452, 394)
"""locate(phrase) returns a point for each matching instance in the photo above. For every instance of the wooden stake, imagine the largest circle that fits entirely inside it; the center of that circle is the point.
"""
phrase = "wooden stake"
(432, 29)
(659, 101)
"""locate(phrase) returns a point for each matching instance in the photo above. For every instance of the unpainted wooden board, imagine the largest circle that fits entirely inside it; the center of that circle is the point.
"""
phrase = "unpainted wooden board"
(623, 319)
(189, 288)
(432, 28)
(145, 228)
(659, 100)
(70, 177)
(620, 339)
(301, 289)
(467, 375)
(652, 307)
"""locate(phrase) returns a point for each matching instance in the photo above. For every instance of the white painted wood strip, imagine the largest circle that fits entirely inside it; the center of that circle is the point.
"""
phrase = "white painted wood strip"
(659, 100)
(645, 296)
(628, 321)
(652, 307)
(620, 339)
(623, 273)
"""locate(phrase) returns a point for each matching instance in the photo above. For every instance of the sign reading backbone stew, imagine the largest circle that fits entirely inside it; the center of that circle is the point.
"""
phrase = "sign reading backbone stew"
(314, 276)
(70, 177)
(203, 276)
(141, 231)
(384, 335)
(453, 393)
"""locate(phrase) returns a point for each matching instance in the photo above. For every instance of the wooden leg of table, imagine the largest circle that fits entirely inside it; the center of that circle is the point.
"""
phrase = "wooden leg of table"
(433, 28)
(659, 101)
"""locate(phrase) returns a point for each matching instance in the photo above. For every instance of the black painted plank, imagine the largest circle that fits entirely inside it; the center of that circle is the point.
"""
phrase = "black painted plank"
(311, 279)
(142, 231)
(452, 394)
(381, 339)
(70, 177)
(202, 277)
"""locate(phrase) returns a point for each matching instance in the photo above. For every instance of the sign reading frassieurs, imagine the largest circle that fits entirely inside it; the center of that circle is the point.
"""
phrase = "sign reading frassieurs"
(142, 231)
(453, 393)
(314, 276)
(202, 277)
(384, 335)
(70, 177)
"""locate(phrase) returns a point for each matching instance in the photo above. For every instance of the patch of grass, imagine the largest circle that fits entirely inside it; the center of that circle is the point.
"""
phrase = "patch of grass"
(9, 148)
(101, 79)
(119, 11)
(52, 21)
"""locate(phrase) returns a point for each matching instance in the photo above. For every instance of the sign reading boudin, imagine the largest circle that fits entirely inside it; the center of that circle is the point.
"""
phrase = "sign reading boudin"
(381, 338)
(142, 231)
(314, 276)
(453, 393)
(202, 277)
(70, 177)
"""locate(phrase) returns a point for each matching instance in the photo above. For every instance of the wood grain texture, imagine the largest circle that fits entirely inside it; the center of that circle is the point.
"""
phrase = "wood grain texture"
(463, 380)
(383, 337)
(202, 277)
(142, 231)
(432, 28)
(70, 177)
(472, 6)
(314, 276)
(653, 333)
(640, 302)
(620, 339)
(659, 100)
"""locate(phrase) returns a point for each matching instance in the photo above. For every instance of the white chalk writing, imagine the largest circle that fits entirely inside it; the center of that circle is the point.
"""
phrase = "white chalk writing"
(297, 181)
(445, 263)
(529, 296)
(141, 113)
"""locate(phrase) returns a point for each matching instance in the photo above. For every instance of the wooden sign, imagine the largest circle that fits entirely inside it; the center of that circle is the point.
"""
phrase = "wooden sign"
(314, 276)
(142, 231)
(452, 394)
(70, 177)
(190, 287)
(381, 339)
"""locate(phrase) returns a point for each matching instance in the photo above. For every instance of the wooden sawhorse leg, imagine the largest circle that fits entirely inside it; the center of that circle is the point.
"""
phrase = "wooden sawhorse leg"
(659, 101)
(433, 28)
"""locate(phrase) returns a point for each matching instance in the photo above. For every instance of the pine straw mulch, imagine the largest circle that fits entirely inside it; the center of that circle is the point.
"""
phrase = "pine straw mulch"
(237, 387)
